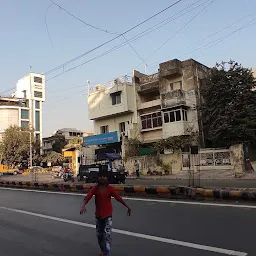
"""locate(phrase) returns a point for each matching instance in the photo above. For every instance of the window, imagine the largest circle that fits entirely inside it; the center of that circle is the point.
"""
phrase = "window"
(38, 80)
(37, 104)
(38, 94)
(24, 124)
(172, 117)
(116, 98)
(176, 86)
(122, 127)
(178, 115)
(180, 84)
(151, 120)
(37, 121)
(25, 94)
(24, 114)
(184, 115)
(175, 116)
(104, 129)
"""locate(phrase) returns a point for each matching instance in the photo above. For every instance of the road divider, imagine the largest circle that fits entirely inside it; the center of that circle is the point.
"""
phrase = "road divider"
(171, 192)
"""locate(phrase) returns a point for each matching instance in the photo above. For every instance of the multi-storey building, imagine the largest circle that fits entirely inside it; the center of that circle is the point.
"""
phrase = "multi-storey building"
(68, 133)
(150, 107)
(112, 107)
(24, 109)
(168, 100)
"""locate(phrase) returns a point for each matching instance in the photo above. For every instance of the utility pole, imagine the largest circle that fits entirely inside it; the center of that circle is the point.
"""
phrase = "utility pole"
(146, 68)
(30, 146)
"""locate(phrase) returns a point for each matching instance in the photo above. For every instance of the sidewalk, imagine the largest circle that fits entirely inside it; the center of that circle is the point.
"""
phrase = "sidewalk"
(203, 175)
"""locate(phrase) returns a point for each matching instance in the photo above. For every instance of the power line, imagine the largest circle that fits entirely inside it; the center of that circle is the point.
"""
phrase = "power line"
(85, 23)
(130, 40)
(111, 40)
(210, 35)
(70, 95)
(178, 31)
(226, 36)
(46, 25)
(8, 90)
(223, 38)
(92, 26)
(134, 50)
(67, 89)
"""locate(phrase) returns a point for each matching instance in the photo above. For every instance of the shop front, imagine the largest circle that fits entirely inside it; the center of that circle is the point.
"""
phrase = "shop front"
(105, 142)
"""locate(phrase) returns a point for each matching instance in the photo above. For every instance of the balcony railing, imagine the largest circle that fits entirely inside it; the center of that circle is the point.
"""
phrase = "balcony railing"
(174, 98)
(149, 104)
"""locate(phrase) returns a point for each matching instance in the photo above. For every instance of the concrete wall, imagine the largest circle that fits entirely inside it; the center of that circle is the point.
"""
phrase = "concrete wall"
(150, 162)
(100, 101)
(113, 123)
(175, 129)
(9, 116)
(152, 135)
(237, 159)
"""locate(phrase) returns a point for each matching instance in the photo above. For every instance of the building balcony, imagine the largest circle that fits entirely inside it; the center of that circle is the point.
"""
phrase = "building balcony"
(174, 98)
(149, 104)
(148, 84)
(170, 69)
(175, 129)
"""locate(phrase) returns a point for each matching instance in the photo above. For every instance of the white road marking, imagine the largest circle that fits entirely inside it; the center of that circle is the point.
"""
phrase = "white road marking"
(133, 234)
(243, 206)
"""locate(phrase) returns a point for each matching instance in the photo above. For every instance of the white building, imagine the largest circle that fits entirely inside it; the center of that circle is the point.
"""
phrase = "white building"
(24, 109)
(149, 107)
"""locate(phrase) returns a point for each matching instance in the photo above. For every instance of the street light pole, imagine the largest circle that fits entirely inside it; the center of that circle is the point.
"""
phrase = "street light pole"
(30, 148)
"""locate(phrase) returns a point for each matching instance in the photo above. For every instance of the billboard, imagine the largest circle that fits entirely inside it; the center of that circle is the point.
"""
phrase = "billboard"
(101, 139)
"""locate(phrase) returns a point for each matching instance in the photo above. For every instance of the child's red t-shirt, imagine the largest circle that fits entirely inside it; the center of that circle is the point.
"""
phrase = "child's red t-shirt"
(103, 200)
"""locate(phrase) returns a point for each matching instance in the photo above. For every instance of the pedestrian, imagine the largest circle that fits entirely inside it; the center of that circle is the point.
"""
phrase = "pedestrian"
(103, 193)
(137, 168)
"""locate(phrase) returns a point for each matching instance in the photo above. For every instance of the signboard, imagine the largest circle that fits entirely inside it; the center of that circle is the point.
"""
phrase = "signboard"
(101, 139)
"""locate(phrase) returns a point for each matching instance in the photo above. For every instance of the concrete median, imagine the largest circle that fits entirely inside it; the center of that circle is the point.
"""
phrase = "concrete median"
(171, 192)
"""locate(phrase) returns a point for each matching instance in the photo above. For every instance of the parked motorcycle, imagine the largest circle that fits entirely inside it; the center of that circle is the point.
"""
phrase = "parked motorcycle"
(68, 176)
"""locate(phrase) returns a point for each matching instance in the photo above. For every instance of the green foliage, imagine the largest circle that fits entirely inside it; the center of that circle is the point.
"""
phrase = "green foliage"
(228, 107)
(133, 147)
(15, 145)
(175, 142)
(59, 144)
(54, 157)
(76, 141)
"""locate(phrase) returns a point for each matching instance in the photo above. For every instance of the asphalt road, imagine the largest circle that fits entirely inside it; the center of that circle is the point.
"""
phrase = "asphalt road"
(204, 183)
(235, 183)
(49, 224)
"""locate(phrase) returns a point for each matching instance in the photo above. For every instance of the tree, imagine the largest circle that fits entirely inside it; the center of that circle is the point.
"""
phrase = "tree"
(59, 144)
(54, 158)
(228, 106)
(76, 141)
(15, 145)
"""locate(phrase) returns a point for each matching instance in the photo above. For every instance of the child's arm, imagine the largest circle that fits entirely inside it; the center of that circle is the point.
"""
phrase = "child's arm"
(120, 200)
(87, 198)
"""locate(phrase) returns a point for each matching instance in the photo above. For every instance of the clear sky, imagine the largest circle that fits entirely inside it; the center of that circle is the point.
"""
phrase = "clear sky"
(25, 42)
